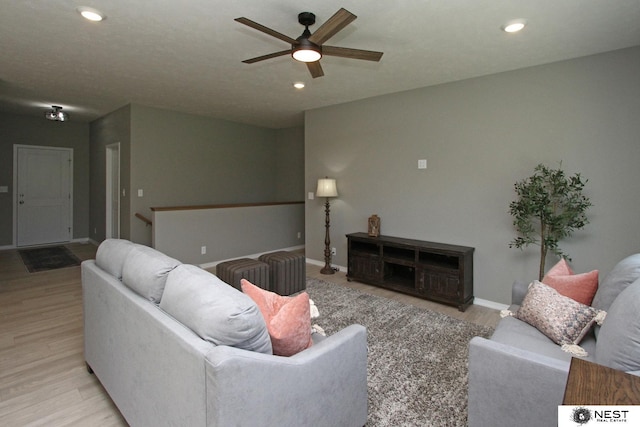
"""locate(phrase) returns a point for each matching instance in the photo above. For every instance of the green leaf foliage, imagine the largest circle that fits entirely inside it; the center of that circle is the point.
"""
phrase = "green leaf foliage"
(549, 207)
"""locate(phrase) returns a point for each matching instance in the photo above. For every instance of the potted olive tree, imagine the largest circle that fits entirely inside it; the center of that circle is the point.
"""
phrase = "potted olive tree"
(550, 207)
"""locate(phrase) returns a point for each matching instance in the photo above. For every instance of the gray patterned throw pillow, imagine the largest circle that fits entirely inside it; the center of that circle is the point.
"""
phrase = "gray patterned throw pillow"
(562, 319)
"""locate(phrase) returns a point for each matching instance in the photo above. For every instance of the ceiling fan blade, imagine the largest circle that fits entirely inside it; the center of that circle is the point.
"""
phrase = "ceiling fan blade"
(315, 69)
(269, 56)
(344, 52)
(338, 21)
(266, 30)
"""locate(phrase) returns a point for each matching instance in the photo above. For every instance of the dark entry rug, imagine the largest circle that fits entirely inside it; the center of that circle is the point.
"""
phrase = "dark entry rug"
(50, 258)
(417, 365)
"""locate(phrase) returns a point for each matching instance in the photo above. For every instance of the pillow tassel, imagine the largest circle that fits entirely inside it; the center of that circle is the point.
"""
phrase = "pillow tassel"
(317, 329)
(600, 317)
(313, 309)
(505, 313)
(574, 350)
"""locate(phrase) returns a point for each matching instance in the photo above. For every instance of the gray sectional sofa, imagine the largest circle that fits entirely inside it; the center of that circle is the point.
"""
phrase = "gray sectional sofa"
(145, 317)
(518, 376)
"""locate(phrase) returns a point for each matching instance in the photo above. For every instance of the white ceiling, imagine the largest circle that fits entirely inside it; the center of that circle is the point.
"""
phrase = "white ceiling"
(186, 55)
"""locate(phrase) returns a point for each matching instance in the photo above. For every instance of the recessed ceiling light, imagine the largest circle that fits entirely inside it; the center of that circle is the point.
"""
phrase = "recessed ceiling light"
(91, 14)
(298, 85)
(514, 26)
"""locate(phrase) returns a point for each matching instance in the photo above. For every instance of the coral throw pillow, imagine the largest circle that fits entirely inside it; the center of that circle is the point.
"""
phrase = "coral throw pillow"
(288, 318)
(560, 269)
(579, 287)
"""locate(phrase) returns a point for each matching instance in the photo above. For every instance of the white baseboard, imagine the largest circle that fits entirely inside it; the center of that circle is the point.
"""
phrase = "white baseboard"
(477, 301)
(83, 240)
(490, 304)
(321, 264)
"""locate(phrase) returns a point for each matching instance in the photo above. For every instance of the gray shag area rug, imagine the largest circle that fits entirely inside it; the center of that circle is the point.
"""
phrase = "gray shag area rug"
(417, 366)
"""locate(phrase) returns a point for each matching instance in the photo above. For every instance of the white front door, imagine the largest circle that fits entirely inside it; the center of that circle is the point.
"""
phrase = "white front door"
(43, 202)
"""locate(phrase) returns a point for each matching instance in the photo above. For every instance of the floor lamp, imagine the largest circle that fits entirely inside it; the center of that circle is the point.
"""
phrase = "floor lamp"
(327, 188)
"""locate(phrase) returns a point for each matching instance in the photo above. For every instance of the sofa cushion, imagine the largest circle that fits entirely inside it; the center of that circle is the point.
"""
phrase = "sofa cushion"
(215, 311)
(623, 274)
(562, 319)
(145, 271)
(618, 344)
(111, 255)
(288, 319)
(519, 334)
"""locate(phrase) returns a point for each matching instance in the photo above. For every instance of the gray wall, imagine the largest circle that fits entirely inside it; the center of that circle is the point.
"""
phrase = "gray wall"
(110, 129)
(27, 130)
(480, 136)
(245, 231)
(289, 164)
(181, 159)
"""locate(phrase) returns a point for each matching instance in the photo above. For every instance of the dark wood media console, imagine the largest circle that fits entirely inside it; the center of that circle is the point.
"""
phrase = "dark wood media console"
(434, 271)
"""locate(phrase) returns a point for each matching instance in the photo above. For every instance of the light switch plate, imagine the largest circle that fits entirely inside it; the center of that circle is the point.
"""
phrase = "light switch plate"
(422, 164)
(140, 192)
(4, 189)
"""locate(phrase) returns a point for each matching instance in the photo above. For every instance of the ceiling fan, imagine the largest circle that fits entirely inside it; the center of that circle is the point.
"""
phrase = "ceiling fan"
(309, 47)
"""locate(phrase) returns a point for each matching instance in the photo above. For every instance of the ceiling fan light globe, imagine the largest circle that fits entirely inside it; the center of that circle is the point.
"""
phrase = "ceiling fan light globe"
(306, 55)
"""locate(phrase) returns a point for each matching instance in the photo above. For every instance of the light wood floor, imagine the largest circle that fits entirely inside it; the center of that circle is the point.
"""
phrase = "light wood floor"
(43, 378)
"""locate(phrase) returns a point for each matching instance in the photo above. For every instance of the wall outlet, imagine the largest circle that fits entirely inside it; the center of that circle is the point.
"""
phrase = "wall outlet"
(203, 250)
(299, 234)
(333, 251)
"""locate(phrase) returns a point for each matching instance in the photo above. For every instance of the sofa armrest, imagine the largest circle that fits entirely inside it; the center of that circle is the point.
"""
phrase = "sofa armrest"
(509, 386)
(324, 385)
(518, 291)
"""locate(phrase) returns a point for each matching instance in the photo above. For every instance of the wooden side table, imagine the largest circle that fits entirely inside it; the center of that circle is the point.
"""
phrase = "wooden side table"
(592, 384)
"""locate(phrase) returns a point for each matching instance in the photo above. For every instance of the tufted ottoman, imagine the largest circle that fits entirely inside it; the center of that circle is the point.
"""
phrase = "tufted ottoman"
(287, 271)
(257, 272)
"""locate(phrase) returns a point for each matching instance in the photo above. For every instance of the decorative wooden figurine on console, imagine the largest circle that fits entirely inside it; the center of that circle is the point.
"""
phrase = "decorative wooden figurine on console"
(374, 225)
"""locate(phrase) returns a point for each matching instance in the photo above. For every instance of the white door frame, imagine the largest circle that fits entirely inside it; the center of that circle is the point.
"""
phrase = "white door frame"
(113, 180)
(16, 148)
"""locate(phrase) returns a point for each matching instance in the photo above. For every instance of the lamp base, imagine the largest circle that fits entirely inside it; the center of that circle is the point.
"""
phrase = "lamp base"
(327, 269)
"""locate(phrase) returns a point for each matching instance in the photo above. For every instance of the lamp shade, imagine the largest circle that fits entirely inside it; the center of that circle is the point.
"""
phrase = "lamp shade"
(327, 188)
